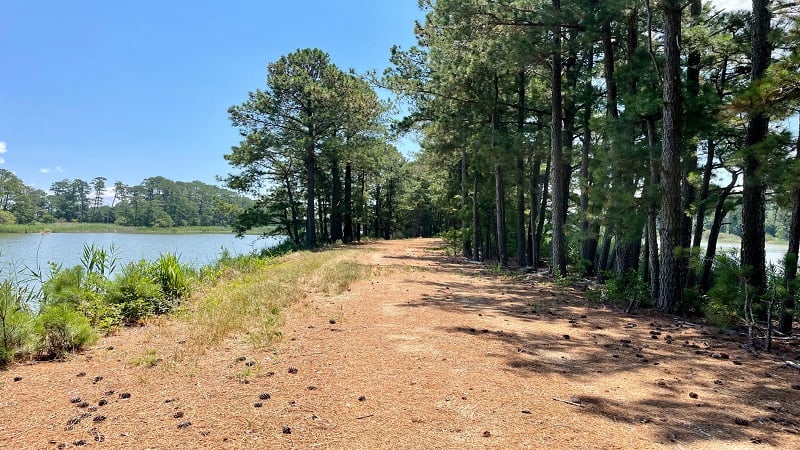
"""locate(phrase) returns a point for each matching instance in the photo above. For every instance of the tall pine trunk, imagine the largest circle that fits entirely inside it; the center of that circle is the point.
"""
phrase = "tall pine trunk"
(785, 325)
(476, 237)
(336, 202)
(348, 202)
(311, 178)
(652, 213)
(467, 244)
(558, 262)
(589, 228)
(754, 187)
(670, 280)
(534, 205)
(520, 172)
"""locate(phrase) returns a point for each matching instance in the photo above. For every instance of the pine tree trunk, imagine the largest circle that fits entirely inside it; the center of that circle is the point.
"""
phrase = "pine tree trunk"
(688, 189)
(311, 178)
(671, 283)
(652, 213)
(754, 187)
(589, 232)
(537, 243)
(348, 202)
(476, 238)
(785, 325)
(378, 212)
(500, 211)
(558, 262)
(603, 263)
(336, 202)
(533, 257)
(467, 248)
(293, 232)
(520, 172)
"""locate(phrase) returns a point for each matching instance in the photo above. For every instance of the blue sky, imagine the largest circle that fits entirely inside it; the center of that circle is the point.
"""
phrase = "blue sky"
(128, 90)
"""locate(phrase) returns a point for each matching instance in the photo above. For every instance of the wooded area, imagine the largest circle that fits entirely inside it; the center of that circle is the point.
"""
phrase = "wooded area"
(609, 139)
(156, 202)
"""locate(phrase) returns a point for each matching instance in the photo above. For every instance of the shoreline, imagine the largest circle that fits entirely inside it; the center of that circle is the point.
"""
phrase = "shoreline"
(113, 228)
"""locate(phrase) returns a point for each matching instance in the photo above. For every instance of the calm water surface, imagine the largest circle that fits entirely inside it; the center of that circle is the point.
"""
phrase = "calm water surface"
(18, 251)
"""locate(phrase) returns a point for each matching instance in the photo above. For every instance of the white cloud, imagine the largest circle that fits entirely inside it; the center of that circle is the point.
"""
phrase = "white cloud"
(49, 170)
(3, 147)
(2, 160)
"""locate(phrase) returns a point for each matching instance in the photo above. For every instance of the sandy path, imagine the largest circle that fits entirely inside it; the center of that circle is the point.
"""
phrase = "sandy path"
(429, 352)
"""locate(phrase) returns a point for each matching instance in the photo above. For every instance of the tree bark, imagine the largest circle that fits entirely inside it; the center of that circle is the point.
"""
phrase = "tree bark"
(348, 202)
(558, 262)
(467, 248)
(534, 250)
(589, 228)
(336, 202)
(688, 189)
(785, 324)
(311, 178)
(537, 243)
(476, 238)
(652, 213)
(670, 279)
(754, 188)
(500, 216)
(520, 172)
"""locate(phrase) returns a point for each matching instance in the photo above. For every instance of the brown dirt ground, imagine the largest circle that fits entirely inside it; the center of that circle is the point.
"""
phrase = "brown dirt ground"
(429, 352)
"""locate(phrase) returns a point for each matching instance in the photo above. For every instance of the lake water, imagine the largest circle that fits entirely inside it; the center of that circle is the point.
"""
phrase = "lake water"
(18, 251)
(775, 252)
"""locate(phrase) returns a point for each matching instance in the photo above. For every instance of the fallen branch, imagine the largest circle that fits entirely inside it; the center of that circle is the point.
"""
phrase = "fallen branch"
(364, 417)
(793, 364)
(568, 402)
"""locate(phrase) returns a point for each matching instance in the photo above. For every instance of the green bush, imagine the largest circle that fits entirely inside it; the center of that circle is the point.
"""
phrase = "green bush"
(85, 292)
(628, 291)
(453, 241)
(136, 293)
(725, 305)
(15, 323)
(173, 277)
(61, 329)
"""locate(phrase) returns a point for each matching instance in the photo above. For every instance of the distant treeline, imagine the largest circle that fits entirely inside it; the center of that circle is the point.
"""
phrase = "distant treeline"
(155, 202)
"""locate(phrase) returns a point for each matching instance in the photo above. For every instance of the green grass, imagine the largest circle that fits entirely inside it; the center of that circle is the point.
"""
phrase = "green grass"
(112, 228)
(252, 302)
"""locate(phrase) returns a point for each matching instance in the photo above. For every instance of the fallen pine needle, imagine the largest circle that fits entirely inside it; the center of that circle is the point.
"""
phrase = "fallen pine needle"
(568, 402)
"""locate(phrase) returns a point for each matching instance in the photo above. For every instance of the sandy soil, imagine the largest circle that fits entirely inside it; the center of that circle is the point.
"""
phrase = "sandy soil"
(429, 352)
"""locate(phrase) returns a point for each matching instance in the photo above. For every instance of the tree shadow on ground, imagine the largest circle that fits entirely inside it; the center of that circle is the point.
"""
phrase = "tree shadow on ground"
(744, 397)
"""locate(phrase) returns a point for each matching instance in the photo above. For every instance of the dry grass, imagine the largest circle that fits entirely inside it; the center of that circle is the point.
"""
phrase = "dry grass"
(253, 302)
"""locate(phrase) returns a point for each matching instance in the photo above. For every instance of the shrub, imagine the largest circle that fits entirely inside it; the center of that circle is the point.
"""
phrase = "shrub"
(136, 294)
(7, 217)
(172, 276)
(85, 292)
(61, 329)
(453, 241)
(15, 323)
(628, 291)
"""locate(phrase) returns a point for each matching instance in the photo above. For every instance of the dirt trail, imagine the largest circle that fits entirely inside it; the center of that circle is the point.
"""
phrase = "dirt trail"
(429, 352)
